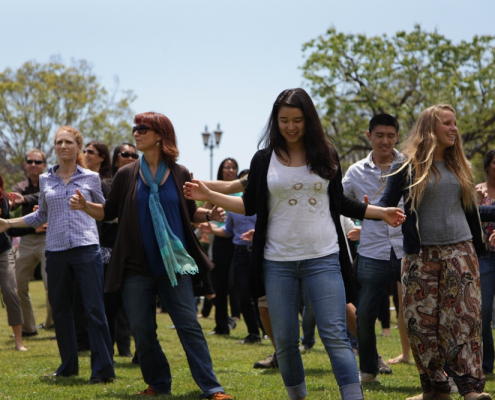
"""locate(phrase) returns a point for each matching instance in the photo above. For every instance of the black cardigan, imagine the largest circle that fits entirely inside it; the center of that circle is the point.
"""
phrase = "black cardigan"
(128, 255)
(256, 202)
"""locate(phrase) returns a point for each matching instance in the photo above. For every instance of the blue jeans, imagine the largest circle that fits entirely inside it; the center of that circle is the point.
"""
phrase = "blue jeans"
(138, 294)
(487, 275)
(374, 276)
(309, 325)
(84, 264)
(322, 279)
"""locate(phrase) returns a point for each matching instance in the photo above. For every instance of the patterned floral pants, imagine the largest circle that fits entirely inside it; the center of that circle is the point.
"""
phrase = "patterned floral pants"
(442, 311)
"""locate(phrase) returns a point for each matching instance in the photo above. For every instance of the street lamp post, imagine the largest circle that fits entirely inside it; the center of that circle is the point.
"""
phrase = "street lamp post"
(211, 141)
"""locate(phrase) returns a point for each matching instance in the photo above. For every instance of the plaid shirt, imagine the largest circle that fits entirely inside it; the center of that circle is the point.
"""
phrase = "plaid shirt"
(66, 228)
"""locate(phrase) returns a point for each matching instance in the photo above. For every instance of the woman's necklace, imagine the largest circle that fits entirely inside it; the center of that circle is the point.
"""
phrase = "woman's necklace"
(64, 177)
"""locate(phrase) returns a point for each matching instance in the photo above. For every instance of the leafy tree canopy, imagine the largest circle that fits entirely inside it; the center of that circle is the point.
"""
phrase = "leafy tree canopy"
(37, 98)
(353, 77)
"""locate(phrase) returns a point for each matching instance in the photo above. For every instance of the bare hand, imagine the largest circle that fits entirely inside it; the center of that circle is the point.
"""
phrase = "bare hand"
(248, 236)
(218, 214)
(16, 198)
(77, 201)
(482, 194)
(366, 200)
(35, 208)
(354, 234)
(41, 228)
(205, 227)
(196, 190)
(393, 216)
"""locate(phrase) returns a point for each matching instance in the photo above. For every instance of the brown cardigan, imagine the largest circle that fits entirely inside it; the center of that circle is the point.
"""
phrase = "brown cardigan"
(128, 255)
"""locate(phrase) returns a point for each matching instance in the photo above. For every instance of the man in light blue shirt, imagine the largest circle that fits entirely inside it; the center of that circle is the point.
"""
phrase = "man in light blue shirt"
(380, 248)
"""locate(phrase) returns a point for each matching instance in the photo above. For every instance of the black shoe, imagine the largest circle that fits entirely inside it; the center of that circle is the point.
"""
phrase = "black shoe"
(232, 324)
(217, 331)
(125, 354)
(135, 359)
(96, 381)
(27, 334)
(250, 339)
(269, 362)
(383, 367)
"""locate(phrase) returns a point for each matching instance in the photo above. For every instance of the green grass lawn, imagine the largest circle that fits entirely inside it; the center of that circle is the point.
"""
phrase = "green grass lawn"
(21, 372)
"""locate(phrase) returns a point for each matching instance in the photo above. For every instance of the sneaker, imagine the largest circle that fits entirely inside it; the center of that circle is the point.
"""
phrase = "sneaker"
(269, 362)
(232, 323)
(219, 396)
(304, 348)
(250, 339)
(148, 392)
(383, 367)
(367, 378)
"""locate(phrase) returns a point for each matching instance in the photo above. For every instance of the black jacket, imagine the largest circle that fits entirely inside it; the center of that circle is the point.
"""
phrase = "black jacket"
(397, 187)
(256, 202)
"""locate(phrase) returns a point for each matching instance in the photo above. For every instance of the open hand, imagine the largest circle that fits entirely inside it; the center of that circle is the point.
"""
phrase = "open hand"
(196, 190)
(16, 198)
(248, 236)
(77, 201)
(205, 227)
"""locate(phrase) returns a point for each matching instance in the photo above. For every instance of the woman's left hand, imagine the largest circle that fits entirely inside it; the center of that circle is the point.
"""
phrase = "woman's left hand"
(217, 214)
(393, 216)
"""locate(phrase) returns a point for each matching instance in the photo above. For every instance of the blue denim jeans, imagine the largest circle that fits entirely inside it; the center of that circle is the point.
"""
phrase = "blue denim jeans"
(487, 275)
(374, 276)
(322, 280)
(84, 264)
(309, 326)
(138, 294)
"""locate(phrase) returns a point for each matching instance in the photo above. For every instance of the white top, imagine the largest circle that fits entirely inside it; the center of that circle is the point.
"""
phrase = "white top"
(377, 237)
(300, 226)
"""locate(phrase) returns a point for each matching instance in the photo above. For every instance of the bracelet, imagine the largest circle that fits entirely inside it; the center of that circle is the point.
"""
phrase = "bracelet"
(8, 222)
(208, 215)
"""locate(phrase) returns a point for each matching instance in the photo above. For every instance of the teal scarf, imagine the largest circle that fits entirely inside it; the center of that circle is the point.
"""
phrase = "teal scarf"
(175, 257)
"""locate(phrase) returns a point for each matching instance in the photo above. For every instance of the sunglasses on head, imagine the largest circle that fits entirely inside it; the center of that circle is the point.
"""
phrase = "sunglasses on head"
(91, 151)
(37, 162)
(141, 129)
(125, 154)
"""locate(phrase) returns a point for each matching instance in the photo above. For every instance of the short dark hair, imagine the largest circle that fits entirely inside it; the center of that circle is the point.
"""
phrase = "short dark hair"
(116, 153)
(242, 173)
(487, 160)
(383, 119)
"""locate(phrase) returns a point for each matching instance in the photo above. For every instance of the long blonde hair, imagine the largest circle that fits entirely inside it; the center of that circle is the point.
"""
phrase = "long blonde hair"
(79, 140)
(419, 147)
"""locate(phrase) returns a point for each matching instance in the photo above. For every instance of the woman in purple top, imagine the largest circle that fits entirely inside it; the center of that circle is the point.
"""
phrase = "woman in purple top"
(72, 252)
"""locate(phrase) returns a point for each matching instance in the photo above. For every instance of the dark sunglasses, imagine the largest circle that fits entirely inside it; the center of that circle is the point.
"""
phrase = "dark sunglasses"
(125, 154)
(91, 151)
(37, 162)
(141, 129)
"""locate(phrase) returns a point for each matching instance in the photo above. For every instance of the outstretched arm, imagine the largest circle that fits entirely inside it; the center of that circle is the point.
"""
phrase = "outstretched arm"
(79, 202)
(197, 190)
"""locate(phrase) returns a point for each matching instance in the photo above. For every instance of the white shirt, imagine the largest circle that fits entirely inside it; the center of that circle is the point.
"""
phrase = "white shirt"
(377, 237)
(300, 226)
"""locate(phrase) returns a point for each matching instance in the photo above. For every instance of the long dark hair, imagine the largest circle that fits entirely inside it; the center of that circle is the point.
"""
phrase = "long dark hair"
(105, 167)
(488, 160)
(116, 153)
(319, 149)
(220, 168)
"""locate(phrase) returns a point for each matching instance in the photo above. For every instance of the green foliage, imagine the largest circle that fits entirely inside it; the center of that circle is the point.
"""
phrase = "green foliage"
(36, 99)
(353, 77)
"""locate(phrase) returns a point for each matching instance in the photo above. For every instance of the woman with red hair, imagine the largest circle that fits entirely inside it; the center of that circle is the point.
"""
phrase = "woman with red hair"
(156, 253)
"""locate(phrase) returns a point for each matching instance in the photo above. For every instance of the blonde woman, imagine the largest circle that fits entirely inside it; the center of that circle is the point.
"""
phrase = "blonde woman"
(440, 273)
(72, 252)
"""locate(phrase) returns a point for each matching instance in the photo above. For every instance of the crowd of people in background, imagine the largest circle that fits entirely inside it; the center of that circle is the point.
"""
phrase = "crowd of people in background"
(292, 237)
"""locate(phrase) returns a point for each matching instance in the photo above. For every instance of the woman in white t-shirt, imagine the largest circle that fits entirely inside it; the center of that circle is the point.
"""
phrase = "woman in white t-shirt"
(295, 189)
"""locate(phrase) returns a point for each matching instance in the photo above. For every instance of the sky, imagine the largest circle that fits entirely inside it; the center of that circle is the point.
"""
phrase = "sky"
(208, 62)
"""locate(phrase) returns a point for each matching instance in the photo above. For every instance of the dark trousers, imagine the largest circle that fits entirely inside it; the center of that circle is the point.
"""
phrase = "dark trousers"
(84, 264)
(240, 264)
(223, 251)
